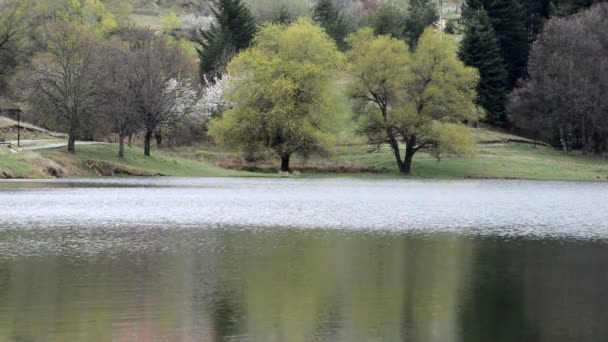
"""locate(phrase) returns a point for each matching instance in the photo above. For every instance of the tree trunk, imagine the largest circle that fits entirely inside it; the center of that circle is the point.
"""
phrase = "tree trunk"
(159, 139)
(147, 140)
(130, 139)
(285, 162)
(72, 139)
(410, 150)
(407, 162)
(395, 147)
(121, 145)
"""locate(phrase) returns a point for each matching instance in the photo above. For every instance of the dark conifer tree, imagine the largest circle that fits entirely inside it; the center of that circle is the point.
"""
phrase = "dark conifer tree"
(232, 31)
(509, 23)
(421, 14)
(480, 49)
(327, 15)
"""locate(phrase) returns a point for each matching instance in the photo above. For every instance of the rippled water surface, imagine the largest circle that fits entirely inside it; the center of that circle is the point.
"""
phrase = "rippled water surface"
(219, 259)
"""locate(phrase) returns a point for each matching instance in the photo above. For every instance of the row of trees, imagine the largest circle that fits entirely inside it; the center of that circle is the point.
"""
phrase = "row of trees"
(85, 70)
(235, 27)
(134, 82)
(497, 39)
(279, 89)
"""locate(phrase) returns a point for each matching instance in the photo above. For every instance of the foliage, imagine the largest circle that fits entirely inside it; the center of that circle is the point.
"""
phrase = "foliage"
(90, 13)
(563, 100)
(328, 17)
(421, 14)
(171, 22)
(65, 76)
(508, 21)
(14, 47)
(450, 27)
(232, 31)
(279, 92)
(480, 49)
(271, 10)
(162, 65)
(568, 7)
(387, 19)
(418, 99)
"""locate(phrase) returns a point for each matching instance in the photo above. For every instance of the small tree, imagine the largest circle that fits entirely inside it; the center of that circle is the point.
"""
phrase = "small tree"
(418, 99)
(118, 88)
(279, 92)
(232, 31)
(160, 63)
(327, 15)
(480, 49)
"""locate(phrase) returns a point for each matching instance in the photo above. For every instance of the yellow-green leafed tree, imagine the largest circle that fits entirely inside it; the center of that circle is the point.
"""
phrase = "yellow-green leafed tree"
(419, 99)
(279, 89)
(90, 13)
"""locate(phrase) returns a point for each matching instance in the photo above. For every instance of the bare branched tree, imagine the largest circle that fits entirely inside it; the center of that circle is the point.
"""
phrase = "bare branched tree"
(65, 77)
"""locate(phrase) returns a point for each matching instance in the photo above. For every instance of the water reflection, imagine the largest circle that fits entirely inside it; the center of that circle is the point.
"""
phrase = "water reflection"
(239, 284)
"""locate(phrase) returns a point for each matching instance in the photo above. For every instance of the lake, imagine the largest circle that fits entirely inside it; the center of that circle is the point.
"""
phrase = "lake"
(237, 259)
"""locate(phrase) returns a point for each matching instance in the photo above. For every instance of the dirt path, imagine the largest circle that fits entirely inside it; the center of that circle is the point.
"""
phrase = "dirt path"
(49, 146)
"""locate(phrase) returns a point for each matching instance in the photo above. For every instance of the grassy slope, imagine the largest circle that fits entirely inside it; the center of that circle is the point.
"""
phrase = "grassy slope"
(511, 160)
(37, 164)
(502, 160)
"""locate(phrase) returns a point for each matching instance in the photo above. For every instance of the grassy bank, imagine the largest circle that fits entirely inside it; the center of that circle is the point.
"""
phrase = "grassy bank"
(498, 156)
(102, 160)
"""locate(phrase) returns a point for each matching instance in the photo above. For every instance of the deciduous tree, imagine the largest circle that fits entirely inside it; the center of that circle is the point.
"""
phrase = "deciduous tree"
(563, 100)
(65, 76)
(279, 89)
(419, 99)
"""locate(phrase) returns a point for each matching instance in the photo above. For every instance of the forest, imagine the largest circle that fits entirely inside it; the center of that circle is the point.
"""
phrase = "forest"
(278, 80)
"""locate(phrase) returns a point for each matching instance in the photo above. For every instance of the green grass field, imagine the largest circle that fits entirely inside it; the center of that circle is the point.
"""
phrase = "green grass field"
(495, 161)
(96, 160)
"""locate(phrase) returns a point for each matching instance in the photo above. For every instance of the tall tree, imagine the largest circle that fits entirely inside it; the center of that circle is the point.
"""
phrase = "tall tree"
(509, 23)
(421, 14)
(161, 65)
(279, 89)
(232, 31)
(563, 100)
(327, 15)
(419, 100)
(480, 49)
(65, 76)
(119, 87)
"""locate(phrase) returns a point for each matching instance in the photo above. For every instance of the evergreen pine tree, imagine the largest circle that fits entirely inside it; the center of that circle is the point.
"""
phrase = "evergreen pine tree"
(421, 14)
(480, 49)
(327, 15)
(232, 31)
(508, 18)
